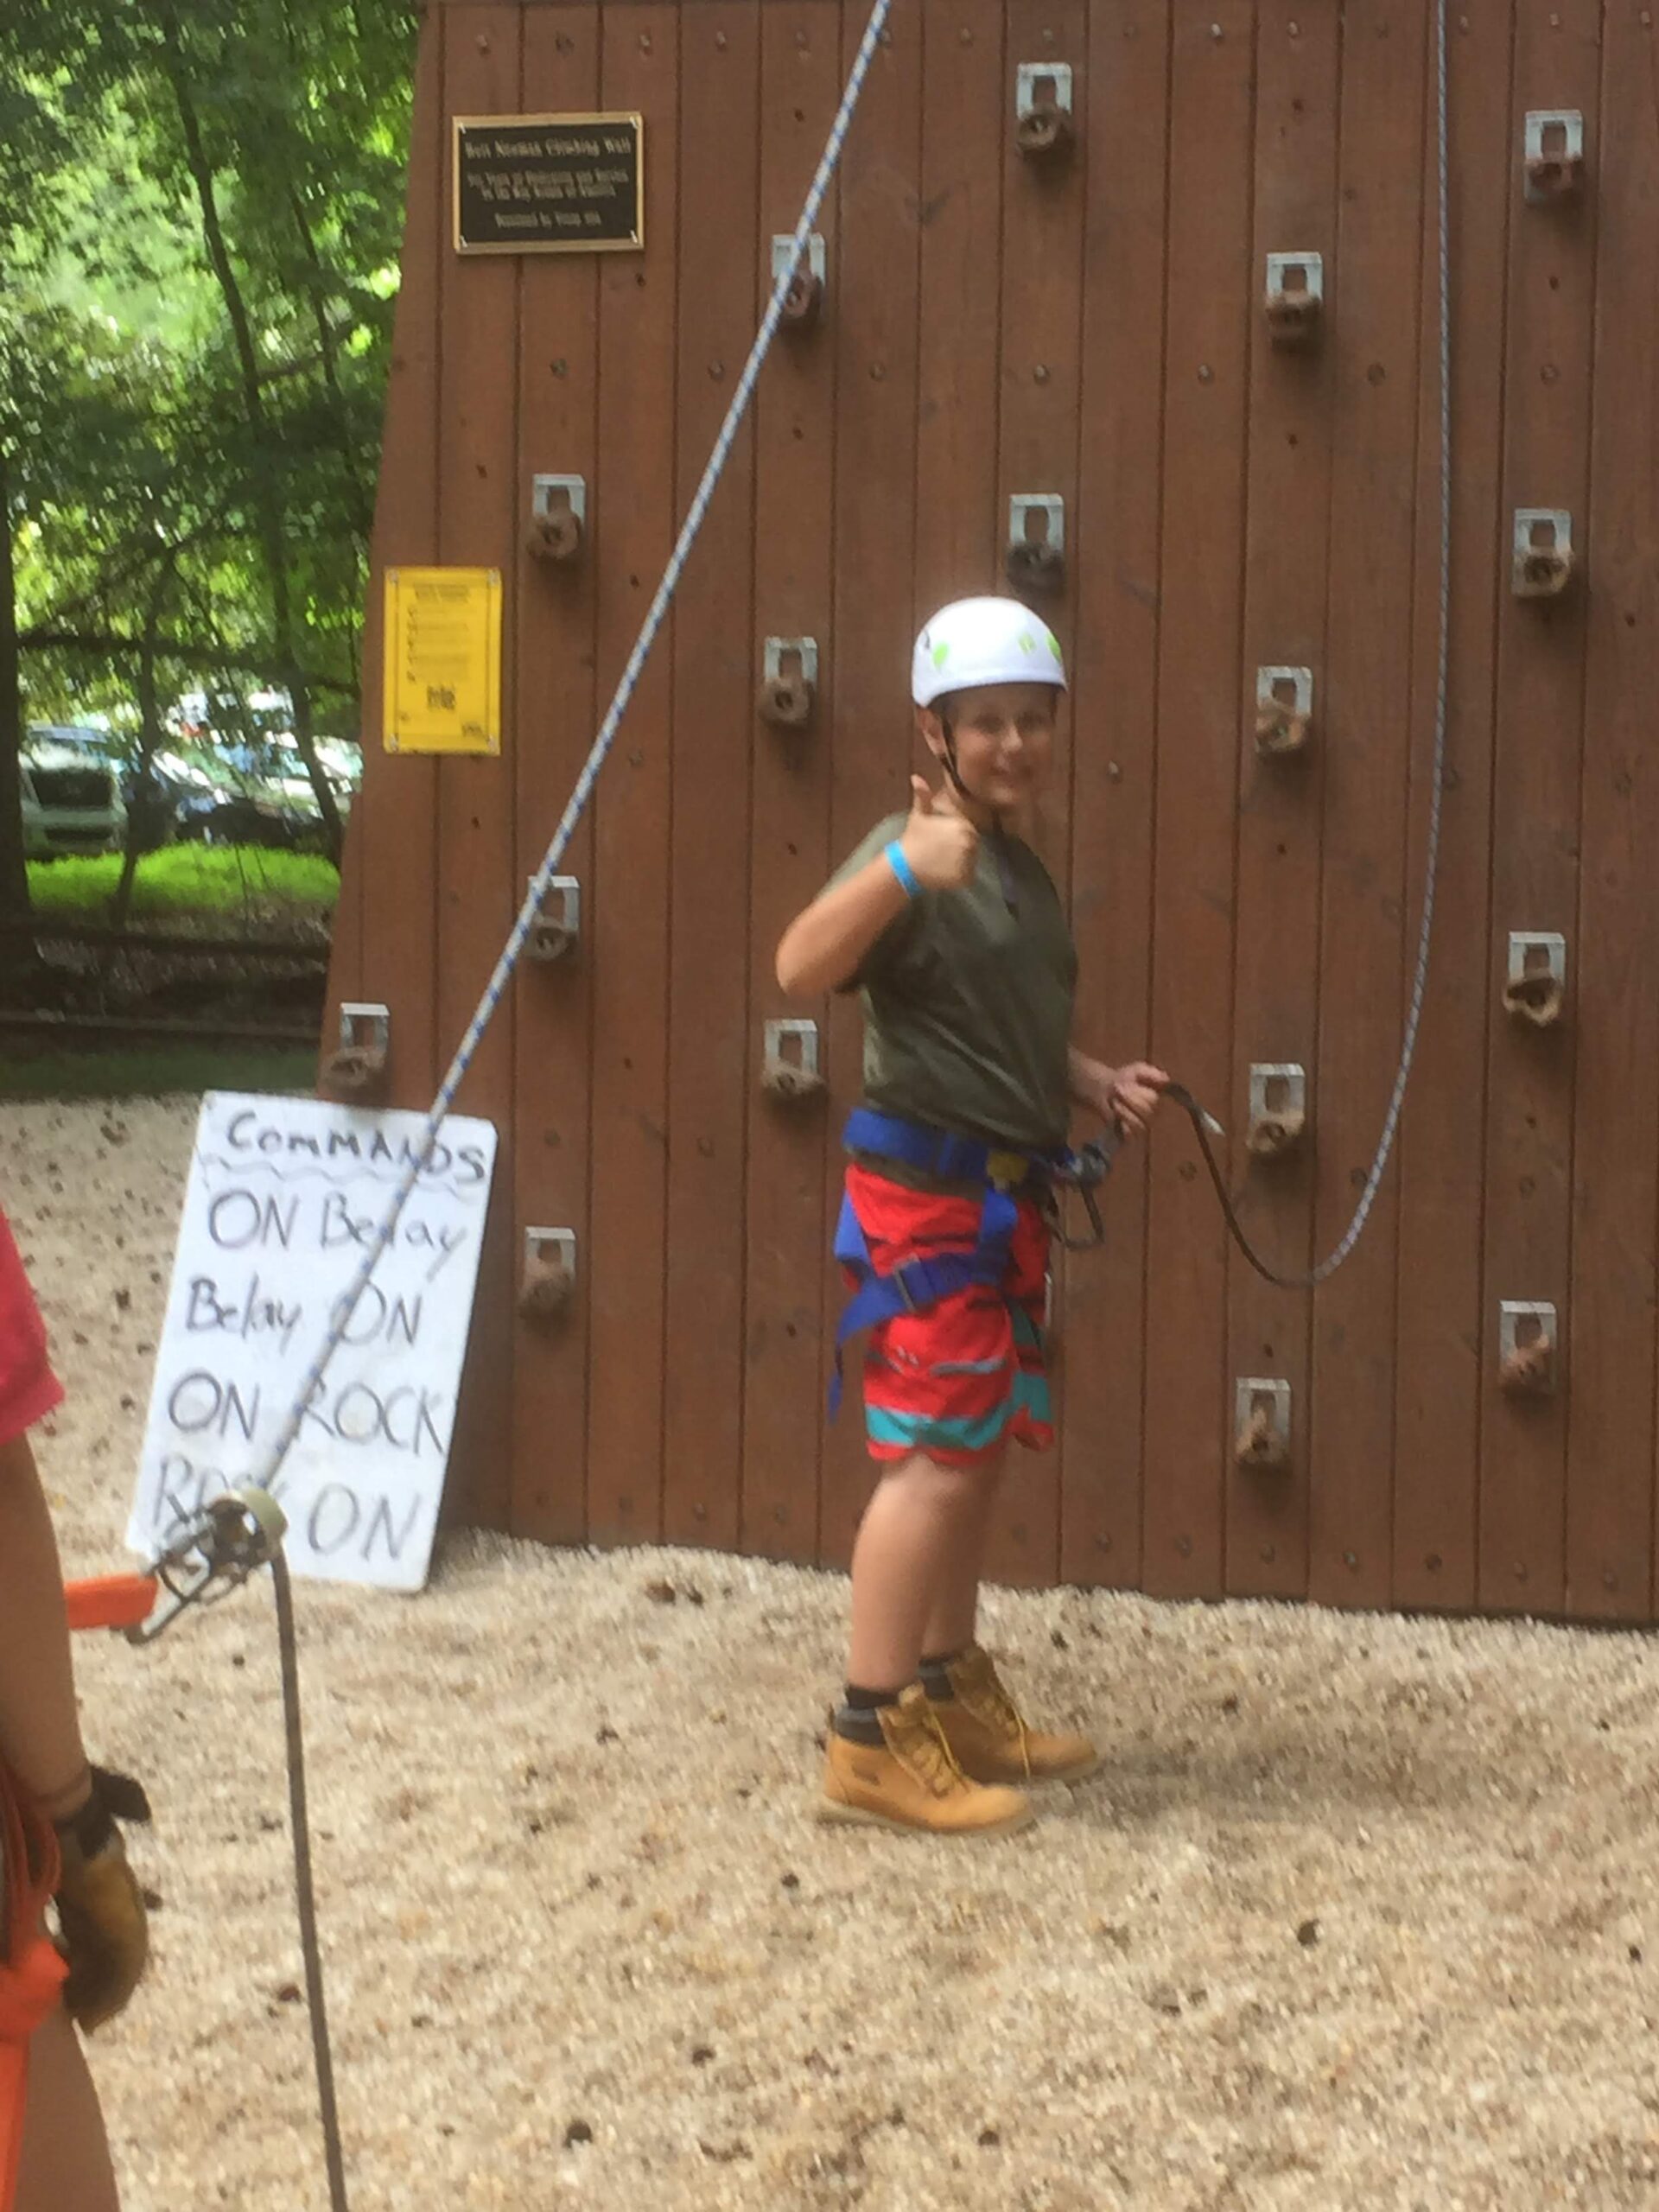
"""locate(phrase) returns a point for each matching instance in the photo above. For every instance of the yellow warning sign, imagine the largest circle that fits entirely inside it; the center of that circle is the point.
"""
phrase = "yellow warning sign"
(443, 660)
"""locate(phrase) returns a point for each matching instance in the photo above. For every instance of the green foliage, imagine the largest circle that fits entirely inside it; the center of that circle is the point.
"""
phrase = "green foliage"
(158, 1071)
(195, 880)
(200, 207)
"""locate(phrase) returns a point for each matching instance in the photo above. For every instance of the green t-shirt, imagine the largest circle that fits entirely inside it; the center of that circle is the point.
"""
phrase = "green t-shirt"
(968, 999)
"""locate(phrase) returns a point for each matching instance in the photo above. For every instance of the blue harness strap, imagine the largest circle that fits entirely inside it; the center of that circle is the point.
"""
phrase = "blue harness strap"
(916, 1284)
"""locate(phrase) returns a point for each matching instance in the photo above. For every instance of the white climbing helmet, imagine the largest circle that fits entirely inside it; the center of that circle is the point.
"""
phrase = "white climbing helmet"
(975, 641)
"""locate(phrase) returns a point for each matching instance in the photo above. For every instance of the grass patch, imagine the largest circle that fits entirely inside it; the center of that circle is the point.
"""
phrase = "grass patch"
(154, 1072)
(228, 881)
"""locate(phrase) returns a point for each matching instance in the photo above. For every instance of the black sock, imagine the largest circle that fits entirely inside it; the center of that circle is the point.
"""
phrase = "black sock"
(856, 1718)
(936, 1681)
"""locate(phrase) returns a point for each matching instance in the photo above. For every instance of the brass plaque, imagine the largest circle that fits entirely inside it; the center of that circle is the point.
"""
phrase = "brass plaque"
(550, 184)
(443, 660)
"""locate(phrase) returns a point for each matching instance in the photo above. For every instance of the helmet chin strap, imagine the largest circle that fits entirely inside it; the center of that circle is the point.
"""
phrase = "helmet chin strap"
(953, 769)
(1005, 874)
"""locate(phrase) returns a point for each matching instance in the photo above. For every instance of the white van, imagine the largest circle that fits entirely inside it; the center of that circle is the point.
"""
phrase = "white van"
(71, 796)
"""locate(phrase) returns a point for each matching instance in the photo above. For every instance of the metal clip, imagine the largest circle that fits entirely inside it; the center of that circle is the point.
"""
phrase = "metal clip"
(1284, 710)
(803, 300)
(558, 517)
(1553, 152)
(556, 936)
(229, 1540)
(1537, 989)
(1278, 1108)
(1543, 552)
(1261, 1421)
(355, 1073)
(548, 1280)
(1528, 1354)
(1042, 108)
(1036, 553)
(1294, 297)
(788, 685)
(790, 1070)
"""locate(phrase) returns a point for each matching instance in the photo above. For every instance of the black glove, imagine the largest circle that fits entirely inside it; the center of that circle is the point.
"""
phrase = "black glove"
(102, 1930)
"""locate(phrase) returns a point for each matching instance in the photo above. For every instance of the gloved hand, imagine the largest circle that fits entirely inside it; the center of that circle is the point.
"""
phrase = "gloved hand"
(102, 1929)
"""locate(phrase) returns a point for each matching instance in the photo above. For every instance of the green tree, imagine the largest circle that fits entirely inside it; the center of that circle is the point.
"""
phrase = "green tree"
(199, 215)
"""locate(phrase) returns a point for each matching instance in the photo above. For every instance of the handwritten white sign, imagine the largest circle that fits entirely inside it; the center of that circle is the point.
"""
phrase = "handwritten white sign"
(285, 1196)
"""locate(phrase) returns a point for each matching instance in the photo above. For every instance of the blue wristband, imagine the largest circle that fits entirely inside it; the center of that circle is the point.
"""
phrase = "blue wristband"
(901, 868)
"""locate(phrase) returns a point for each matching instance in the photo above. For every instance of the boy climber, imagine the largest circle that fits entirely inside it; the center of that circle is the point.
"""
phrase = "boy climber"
(58, 1837)
(949, 926)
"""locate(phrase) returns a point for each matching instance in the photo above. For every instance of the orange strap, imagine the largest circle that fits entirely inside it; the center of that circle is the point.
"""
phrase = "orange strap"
(110, 1601)
(31, 1972)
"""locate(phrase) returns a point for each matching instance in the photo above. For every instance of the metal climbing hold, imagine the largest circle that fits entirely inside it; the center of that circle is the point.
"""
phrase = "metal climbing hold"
(555, 933)
(1294, 297)
(790, 1070)
(1543, 561)
(789, 682)
(1535, 989)
(803, 300)
(1278, 1119)
(1036, 550)
(548, 1282)
(1284, 710)
(1042, 108)
(357, 1071)
(1528, 1354)
(1552, 152)
(558, 517)
(1261, 1422)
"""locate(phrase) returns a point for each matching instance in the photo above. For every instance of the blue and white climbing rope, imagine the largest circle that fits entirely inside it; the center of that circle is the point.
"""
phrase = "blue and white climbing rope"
(626, 683)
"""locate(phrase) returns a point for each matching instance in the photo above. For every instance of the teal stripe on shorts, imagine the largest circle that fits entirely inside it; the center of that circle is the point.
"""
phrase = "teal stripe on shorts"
(915, 1432)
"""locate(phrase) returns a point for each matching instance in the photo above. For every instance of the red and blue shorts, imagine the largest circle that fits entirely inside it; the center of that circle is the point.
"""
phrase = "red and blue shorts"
(961, 1379)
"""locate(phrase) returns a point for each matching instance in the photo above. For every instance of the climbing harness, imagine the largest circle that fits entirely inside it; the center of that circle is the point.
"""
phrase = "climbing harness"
(916, 1284)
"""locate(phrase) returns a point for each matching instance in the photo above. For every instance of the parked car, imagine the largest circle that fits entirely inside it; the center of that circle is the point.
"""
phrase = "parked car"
(71, 800)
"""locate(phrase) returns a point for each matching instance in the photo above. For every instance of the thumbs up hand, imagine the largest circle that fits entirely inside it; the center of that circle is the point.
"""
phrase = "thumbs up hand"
(941, 845)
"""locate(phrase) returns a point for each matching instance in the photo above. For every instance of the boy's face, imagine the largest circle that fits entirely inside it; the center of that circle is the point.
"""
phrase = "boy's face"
(1005, 739)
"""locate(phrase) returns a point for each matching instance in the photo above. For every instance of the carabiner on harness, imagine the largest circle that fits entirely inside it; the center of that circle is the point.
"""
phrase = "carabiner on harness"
(1083, 1172)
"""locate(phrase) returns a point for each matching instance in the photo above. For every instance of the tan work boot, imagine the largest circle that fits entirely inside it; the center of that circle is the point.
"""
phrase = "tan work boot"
(988, 1739)
(913, 1781)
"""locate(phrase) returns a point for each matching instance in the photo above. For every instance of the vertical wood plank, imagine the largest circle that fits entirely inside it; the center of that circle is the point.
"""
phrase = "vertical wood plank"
(1101, 1316)
(1367, 763)
(477, 392)
(1207, 352)
(1040, 384)
(786, 1315)
(393, 835)
(1535, 813)
(876, 334)
(1441, 1340)
(1276, 962)
(633, 532)
(554, 652)
(966, 102)
(1614, 949)
(713, 1059)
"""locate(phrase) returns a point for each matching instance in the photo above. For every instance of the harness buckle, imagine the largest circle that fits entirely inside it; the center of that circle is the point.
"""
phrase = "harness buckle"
(1007, 1170)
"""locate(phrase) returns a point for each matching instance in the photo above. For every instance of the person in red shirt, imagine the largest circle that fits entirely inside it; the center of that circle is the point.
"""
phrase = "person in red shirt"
(58, 1843)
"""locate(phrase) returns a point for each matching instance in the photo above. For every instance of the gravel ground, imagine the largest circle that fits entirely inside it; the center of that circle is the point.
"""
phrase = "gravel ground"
(1362, 1912)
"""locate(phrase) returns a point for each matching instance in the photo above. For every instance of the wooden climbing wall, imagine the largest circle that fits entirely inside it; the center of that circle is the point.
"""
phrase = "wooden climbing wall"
(1089, 326)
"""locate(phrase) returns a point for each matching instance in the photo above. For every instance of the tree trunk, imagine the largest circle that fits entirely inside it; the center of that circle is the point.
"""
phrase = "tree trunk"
(273, 520)
(18, 957)
(151, 734)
